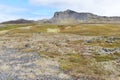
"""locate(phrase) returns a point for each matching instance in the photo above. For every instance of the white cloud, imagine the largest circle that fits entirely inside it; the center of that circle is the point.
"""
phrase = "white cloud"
(11, 9)
(6, 17)
(102, 7)
(9, 12)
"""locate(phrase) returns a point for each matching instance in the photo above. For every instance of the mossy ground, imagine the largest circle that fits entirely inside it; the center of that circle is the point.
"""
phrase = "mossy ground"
(13, 26)
(94, 29)
(107, 57)
(77, 64)
(80, 29)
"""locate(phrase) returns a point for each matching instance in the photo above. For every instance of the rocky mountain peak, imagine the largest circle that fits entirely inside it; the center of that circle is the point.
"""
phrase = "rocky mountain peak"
(68, 16)
(71, 16)
(69, 11)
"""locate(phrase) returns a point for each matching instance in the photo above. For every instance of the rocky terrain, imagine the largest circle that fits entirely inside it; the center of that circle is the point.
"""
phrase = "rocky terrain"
(70, 17)
(28, 66)
(69, 46)
(60, 52)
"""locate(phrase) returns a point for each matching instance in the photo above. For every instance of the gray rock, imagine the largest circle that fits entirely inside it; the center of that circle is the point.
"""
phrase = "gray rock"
(69, 17)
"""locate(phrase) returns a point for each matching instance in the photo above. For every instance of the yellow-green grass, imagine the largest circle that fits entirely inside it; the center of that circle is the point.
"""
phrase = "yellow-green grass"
(13, 26)
(36, 29)
(107, 57)
(77, 42)
(49, 54)
(101, 43)
(43, 28)
(81, 29)
(94, 29)
(76, 64)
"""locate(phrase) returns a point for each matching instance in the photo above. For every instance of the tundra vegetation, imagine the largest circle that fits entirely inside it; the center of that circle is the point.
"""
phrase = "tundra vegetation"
(80, 51)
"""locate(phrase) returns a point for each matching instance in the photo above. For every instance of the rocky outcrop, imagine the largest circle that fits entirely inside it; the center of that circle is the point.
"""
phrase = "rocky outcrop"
(70, 16)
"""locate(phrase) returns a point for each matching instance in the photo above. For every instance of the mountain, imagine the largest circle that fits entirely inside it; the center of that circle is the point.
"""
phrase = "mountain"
(19, 21)
(69, 16)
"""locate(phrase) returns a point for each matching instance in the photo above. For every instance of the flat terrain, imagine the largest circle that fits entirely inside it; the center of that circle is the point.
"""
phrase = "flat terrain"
(60, 52)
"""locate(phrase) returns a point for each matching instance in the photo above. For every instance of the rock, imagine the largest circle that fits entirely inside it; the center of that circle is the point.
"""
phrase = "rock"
(27, 45)
(70, 17)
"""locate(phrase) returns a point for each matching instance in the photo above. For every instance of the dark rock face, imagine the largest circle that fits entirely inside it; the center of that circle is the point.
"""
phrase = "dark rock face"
(19, 21)
(70, 16)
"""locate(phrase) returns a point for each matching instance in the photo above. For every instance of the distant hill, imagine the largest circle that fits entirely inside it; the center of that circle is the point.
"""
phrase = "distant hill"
(19, 21)
(70, 16)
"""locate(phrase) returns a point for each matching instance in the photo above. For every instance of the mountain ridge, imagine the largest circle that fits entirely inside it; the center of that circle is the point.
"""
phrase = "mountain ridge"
(69, 17)
(18, 21)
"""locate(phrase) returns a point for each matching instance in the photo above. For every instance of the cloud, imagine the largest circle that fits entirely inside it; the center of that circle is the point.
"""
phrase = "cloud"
(6, 17)
(102, 7)
(11, 9)
(10, 12)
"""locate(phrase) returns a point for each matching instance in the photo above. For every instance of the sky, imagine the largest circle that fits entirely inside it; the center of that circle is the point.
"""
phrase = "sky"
(44, 9)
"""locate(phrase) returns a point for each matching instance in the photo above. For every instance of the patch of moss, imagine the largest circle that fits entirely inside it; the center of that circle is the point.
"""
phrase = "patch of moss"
(13, 26)
(94, 29)
(76, 64)
(43, 28)
(49, 54)
(36, 29)
(77, 42)
(108, 57)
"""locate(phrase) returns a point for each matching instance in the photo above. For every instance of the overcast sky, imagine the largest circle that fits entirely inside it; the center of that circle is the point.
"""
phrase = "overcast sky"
(40, 9)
